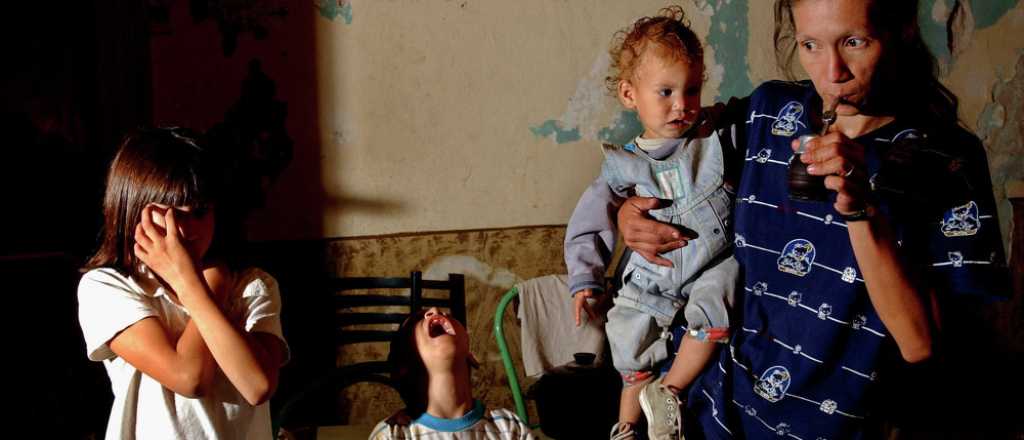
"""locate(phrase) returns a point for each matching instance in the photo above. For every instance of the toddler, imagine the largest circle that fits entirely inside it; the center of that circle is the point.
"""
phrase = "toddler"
(658, 71)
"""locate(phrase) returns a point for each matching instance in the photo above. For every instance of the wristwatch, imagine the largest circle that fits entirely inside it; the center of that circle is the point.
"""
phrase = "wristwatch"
(859, 215)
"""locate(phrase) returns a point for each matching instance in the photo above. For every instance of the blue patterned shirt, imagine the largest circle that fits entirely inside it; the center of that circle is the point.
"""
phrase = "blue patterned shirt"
(810, 349)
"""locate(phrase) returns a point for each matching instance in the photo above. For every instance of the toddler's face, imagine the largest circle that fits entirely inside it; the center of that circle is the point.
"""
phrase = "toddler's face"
(665, 94)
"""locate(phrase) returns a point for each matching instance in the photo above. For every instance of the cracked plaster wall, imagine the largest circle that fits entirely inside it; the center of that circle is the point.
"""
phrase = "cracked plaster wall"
(439, 131)
(400, 127)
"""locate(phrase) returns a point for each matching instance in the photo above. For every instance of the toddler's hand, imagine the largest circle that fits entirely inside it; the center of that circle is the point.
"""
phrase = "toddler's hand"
(580, 303)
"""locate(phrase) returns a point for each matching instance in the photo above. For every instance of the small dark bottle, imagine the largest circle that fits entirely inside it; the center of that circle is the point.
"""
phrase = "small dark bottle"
(803, 185)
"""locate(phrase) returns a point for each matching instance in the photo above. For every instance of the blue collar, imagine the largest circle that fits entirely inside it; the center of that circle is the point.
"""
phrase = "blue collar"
(453, 425)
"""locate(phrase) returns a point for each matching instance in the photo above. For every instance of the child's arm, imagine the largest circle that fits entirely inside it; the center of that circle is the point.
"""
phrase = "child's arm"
(184, 367)
(589, 243)
(250, 362)
(266, 347)
(580, 304)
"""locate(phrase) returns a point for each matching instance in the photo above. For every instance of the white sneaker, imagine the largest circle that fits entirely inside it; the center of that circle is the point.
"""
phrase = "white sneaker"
(661, 406)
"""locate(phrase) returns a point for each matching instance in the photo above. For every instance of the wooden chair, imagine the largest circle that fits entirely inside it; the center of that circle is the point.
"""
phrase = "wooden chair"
(350, 297)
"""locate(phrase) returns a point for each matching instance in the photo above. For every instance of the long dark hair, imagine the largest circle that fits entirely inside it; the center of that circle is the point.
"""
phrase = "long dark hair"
(908, 69)
(408, 373)
(169, 166)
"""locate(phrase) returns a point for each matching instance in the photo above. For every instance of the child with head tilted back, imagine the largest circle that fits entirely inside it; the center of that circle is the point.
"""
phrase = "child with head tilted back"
(192, 346)
(430, 362)
(658, 71)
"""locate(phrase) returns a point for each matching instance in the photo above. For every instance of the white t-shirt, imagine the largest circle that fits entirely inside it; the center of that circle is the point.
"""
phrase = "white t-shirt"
(477, 424)
(109, 302)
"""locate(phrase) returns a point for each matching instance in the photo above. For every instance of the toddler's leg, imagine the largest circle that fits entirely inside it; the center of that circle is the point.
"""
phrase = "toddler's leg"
(660, 401)
(629, 401)
(707, 312)
(691, 358)
(637, 345)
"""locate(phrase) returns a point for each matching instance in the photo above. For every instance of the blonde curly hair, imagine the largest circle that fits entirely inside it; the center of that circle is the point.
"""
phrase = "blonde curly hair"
(668, 32)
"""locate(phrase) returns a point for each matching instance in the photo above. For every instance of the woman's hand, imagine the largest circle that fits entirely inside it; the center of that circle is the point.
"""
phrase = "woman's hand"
(161, 249)
(841, 161)
(645, 236)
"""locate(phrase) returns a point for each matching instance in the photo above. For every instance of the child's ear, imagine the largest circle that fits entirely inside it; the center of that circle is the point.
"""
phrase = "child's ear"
(627, 94)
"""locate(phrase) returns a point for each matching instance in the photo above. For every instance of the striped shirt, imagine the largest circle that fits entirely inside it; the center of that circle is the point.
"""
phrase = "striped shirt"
(478, 423)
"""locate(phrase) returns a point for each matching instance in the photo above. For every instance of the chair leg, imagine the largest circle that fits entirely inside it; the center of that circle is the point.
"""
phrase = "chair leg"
(506, 356)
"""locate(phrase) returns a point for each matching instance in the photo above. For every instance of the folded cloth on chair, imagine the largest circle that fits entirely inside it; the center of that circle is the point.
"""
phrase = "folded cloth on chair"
(549, 332)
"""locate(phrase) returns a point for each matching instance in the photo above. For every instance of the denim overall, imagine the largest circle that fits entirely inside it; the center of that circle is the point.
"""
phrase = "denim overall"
(703, 281)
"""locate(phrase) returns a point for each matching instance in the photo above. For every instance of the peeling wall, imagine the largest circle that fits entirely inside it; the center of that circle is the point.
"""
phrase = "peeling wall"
(463, 133)
(400, 127)
(1000, 127)
(525, 95)
(985, 70)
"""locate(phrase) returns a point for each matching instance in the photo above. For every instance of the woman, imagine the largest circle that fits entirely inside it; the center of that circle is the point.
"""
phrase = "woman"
(839, 294)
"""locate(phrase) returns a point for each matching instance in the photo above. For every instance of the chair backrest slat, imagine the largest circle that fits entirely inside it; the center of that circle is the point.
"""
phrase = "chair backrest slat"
(349, 318)
(352, 301)
(359, 336)
(358, 283)
(439, 303)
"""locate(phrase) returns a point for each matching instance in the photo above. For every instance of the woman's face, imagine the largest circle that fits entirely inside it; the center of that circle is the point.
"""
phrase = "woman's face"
(839, 49)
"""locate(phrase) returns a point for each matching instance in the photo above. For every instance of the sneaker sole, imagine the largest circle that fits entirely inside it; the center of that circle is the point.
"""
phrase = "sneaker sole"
(647, 411)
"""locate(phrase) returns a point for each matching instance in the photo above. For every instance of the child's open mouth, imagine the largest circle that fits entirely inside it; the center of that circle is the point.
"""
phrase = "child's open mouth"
(438, 325)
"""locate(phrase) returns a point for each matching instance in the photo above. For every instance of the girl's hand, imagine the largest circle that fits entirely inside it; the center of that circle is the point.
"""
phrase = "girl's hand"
(841, 160)
(161, 249)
